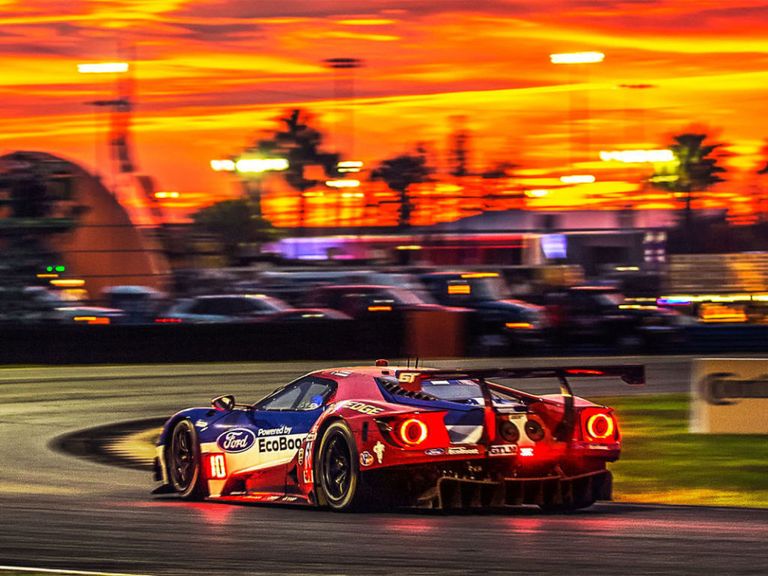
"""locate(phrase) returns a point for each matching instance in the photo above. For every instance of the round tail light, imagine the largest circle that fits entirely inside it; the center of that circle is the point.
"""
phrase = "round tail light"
(600, 426)
(413, 432)
(509, 432)
(534, 431)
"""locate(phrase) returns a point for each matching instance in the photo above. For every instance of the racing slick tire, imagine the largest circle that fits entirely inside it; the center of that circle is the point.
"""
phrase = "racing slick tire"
(337, 471)
(184, 463)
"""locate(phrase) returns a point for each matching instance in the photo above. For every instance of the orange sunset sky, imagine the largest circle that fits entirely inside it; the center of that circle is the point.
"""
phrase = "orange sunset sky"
(212, 75)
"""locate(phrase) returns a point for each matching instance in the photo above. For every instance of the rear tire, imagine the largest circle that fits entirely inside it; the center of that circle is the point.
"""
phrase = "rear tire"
(337, 471)
(184, 462)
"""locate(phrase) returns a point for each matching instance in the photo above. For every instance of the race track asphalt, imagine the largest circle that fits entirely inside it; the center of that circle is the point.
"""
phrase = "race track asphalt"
(59, 511)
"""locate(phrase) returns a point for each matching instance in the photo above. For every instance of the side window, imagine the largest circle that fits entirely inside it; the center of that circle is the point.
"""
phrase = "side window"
(308, 393)
(204, 306)
(282, 399)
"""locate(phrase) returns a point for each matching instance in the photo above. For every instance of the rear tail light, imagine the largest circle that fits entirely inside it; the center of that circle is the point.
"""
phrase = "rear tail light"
(412, 432)
(167, 320)
(599, 426)
(415, 431)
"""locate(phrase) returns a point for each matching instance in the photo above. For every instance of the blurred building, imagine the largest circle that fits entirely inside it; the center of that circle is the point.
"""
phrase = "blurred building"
(105, 247)
(592, 239)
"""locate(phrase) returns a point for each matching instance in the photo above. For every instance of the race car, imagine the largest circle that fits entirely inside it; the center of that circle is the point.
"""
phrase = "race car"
(385, 436)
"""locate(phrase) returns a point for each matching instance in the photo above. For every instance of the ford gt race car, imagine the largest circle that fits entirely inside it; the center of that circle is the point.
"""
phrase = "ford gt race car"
(383, 436)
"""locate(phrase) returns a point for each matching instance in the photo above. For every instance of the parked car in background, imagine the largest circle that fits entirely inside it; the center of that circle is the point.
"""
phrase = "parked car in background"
(364, 300)
(223, 308)
(141, 304)
(599, 315)
(39, 305)
(501, 323)
(228, 308)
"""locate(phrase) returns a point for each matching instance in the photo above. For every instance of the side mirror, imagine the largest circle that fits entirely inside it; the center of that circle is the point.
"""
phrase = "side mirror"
(225, 403)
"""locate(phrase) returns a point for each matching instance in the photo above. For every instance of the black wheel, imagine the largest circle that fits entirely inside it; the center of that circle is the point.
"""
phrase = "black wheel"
(337, 473)
(183, 460)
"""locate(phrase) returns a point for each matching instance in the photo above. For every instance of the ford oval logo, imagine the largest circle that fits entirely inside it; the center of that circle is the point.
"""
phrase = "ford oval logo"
(236, 440)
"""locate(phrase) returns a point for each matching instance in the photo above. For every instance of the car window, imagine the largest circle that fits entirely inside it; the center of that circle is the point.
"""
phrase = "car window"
(206, 306)
(307, 393)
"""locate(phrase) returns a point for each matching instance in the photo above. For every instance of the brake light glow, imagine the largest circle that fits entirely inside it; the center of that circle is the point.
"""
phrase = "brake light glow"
(168, 320)
(584, 372)
(379, 308)
(217, 467)
(600, 426)
(526, 452)
(519, 325)
(412, 432)
(91, 319)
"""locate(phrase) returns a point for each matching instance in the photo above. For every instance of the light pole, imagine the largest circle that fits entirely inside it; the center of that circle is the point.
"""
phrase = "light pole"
(577, 58)
(121, 102)
(343, 69)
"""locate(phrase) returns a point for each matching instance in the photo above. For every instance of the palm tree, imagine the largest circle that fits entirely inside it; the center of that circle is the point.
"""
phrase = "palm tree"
(236, 223)
(301, 145)
(399, 173)
(695, 169)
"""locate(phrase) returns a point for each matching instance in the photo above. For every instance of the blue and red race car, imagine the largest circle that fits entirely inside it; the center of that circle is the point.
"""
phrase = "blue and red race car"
(384, 436)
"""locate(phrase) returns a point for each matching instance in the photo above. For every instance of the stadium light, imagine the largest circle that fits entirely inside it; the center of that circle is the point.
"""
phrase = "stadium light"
(637, 156)
(103, 68)
(576, 57)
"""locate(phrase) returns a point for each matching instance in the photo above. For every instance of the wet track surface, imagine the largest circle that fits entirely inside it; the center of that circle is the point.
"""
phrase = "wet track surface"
(69, 512)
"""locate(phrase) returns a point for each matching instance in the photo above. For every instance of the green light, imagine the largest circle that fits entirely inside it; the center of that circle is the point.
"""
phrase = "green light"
(61, 268)
(49, 268)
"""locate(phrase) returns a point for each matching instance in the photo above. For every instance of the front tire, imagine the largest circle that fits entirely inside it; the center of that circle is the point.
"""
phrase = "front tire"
(337, 472)
(184, 462)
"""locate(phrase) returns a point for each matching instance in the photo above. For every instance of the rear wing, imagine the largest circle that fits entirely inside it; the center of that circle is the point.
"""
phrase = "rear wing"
(633, 374)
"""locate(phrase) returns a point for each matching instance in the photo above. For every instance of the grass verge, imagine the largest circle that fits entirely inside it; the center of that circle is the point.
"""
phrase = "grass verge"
(662, 463)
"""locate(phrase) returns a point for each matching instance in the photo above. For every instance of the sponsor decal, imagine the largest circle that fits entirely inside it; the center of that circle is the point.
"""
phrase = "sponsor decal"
(201, 424)
(434, 452)
(363, 408)
(301, 458)
(341, 373)
(366, 458)
(461, 450)
(503, 450)
(308, 478)
(280, 443)
(407, 377)
(378, 449)
(275, 431)
(723, 389)
(236, 440)
(311, 436)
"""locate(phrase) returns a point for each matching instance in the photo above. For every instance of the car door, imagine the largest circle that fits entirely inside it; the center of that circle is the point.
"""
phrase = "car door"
(281, 422)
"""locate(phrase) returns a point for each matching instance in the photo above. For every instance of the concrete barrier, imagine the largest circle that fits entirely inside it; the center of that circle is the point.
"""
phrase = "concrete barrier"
(729, 396)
